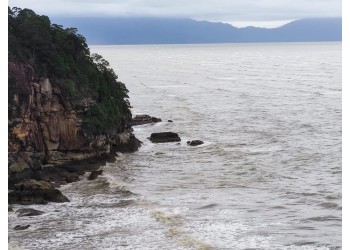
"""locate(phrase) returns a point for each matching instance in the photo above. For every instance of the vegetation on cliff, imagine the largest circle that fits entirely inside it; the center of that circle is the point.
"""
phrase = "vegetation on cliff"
(63, 56)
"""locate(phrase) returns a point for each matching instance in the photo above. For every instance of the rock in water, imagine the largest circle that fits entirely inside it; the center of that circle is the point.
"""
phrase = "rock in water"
(35, 192)
(164, 137)
(195, 143)
(28, 212)
(19, 227)
(131, 144)
(94, 174)
(144, 119)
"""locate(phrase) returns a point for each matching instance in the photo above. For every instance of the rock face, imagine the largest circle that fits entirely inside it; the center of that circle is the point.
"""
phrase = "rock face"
(195, 143)
(144, 119)
(164, 137)
(46, 138)
(49, 128)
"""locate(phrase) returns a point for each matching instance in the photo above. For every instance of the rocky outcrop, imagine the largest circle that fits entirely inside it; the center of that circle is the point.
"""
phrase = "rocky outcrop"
(49, 127)
(195, 143)
(47, 141)
(35, 192)
(52, 127)
(126, 142)
(144, 119)
(164, 137)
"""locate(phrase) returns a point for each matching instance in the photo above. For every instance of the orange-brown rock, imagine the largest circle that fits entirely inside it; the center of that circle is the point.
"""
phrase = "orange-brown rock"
(48, 131)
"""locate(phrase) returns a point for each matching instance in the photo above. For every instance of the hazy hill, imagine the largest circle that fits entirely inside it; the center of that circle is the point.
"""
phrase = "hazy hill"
(182, 31)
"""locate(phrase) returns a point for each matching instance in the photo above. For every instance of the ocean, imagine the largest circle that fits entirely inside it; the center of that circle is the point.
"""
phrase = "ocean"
(268, 176)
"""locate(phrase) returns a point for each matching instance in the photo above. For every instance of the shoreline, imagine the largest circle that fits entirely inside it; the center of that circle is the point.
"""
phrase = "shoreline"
(24, 188)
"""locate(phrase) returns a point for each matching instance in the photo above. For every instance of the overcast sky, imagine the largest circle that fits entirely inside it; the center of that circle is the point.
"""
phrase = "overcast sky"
(263, 13)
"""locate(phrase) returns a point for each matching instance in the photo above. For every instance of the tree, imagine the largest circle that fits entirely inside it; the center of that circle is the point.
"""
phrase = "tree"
(63, 55)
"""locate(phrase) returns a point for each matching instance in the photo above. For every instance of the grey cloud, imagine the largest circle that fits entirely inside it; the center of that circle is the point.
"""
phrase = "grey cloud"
(212, 10)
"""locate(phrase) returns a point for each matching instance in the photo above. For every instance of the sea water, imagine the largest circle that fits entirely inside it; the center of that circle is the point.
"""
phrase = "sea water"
(268, 175)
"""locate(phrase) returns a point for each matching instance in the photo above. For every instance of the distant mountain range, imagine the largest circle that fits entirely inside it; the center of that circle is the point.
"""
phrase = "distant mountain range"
(187, 31)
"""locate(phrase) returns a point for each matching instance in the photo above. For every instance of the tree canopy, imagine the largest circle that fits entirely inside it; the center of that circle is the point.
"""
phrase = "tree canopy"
(63, 56)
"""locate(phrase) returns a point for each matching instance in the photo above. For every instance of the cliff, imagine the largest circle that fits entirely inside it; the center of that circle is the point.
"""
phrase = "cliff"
(49, 130)
(62, 122)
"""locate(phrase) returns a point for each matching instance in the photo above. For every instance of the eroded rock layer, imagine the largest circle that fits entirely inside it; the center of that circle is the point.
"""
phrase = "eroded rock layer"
(47, 131)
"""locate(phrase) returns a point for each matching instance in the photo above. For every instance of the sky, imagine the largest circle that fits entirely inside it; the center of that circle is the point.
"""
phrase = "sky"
(240, 13)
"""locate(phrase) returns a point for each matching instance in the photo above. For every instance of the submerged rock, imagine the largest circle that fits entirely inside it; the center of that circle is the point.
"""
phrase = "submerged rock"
(19, 227)
(195, 143)
(144, 119)
(164, 137)
(28, 212)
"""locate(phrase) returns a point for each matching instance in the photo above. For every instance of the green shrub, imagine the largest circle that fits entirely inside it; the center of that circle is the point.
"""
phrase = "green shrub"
(62, 55)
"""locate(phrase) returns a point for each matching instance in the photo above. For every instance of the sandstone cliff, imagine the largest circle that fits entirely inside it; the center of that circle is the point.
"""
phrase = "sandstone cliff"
(68, 113)
(47, 130)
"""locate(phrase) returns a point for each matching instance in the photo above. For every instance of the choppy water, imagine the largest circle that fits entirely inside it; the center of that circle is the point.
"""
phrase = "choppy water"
(267, 177)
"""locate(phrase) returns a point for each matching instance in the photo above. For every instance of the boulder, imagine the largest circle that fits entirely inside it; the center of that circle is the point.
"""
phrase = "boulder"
(144, 119)
(32, 184)
(164, 137)
(94, 174)
(127, 145)
(195, 143)
(31, 191)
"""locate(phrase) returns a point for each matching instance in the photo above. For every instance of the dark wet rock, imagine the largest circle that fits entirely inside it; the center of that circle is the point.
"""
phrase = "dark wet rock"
(124, 203)
(170, 121)
(35, 192)
(64, 174)
(28, 212)
(38, 185)
(125, 192)
(129, 145)
(94, 174)
(28, 197)
(29, 185)
(164, 137)
(18, 166)
(144, 119)
(72, 177)
(195, 143)
(58, 175)
(19, 227)
(32, 184)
